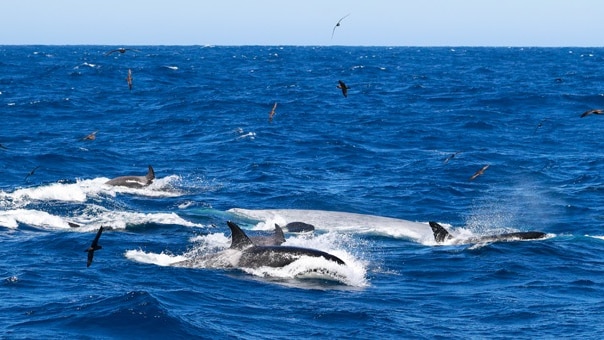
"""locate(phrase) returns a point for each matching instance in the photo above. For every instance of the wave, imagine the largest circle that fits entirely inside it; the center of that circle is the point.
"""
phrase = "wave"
(82, 190)
(212, 252)
(91, 218)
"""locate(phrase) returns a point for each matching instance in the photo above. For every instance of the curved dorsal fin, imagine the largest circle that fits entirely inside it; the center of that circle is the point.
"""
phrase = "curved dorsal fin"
(440, 233)
(150, 174)
(279, 236)
(239, 239)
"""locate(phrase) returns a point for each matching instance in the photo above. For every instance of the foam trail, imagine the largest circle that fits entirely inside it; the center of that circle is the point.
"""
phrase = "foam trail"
(341, 222)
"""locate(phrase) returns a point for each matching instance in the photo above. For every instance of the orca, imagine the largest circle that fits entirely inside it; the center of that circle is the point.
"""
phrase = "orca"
(254, 256)
(279, 237)
(441, 235)
(134, 181)
(274, 240)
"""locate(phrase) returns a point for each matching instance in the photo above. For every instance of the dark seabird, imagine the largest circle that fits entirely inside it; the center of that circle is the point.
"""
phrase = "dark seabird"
(121, 50)
(479, 172)
(344, 88)
(91, 136)
(129, 79)
(272, 113)
(451, 157)
(594, 112)
(338, 24)
(94, 246)
(33, 171)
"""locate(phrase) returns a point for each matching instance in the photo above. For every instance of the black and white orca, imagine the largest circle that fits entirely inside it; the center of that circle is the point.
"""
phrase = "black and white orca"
(441, 235)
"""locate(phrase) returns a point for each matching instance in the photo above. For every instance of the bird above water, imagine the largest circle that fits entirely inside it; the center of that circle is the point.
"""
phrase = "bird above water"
(479, 172)
(592, 112)
(338, 25)
(91, 136)
(121, 50)
(272, 113)
(343, 87)
(94, 246)
(129, 79)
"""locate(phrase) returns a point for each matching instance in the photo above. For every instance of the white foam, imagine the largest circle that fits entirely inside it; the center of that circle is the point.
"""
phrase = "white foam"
(342, 222)
(212, 251)
(161, 259)
(91, 218)
(82, 190)
(41, 219)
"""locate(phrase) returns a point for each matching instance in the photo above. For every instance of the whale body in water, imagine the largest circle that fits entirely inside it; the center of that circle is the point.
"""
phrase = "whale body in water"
(134, 181)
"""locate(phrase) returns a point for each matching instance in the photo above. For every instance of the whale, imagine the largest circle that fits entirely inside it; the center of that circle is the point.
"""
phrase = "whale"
(441, 235)
(134, 181)
(275, 239)
(255, 256)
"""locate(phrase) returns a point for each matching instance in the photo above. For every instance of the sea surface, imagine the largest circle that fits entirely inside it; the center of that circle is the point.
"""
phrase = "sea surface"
(369, 171)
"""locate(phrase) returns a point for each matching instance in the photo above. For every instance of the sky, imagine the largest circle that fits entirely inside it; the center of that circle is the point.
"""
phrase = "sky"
(303, 22)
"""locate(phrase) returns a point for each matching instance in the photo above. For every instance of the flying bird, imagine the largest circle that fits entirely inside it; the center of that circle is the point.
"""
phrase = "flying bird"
(343, 87)
(338, 24)
(94, 246)
(121, 50)
(272, 113)
(91, 136)
(451, 157)
(479, 172)
(31, 172)
(129, 79)
(594, 111)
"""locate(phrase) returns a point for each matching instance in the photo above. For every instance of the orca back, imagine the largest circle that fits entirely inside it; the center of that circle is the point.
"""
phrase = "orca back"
(440, 233)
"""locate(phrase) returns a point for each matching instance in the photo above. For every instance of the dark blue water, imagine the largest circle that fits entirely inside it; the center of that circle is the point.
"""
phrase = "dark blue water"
(368, 171)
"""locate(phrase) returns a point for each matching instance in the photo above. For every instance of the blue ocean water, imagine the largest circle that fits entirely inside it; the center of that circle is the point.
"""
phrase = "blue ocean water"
(368, 171)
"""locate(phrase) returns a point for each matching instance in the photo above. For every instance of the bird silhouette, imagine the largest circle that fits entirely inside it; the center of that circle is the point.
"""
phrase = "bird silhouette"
(592, 112)
(33, 171)
(479, 172)
(451, 156)
(121, 50)
(338, 24)
(93, 246)
(272, 113)
(91, 136)
(343, 87)
(129, 79)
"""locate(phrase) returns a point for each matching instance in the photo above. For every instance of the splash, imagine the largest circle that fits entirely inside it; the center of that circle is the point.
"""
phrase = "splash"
(212, 252)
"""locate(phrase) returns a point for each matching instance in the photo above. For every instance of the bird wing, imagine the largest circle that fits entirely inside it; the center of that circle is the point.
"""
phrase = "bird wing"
(90, 256)
(95, 242)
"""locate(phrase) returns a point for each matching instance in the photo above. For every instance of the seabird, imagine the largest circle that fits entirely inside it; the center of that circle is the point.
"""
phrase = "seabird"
(91, 136)
(594, 111)
(272, 113)
(31, 172)
(129, 79)
(451, 157)
(94, 246)
(479, 172)
(344, 88)
(121, 50)
(338, 24)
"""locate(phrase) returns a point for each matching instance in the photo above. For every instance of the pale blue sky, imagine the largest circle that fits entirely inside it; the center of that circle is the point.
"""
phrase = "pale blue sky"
(303, 22)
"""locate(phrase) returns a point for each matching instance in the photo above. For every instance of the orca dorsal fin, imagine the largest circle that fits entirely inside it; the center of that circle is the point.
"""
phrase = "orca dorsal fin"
(150, 174)
(440, 233)
(279, 236)
(239, 239)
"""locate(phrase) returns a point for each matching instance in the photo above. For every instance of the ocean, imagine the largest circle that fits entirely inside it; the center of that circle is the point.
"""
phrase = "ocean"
(368, 171)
